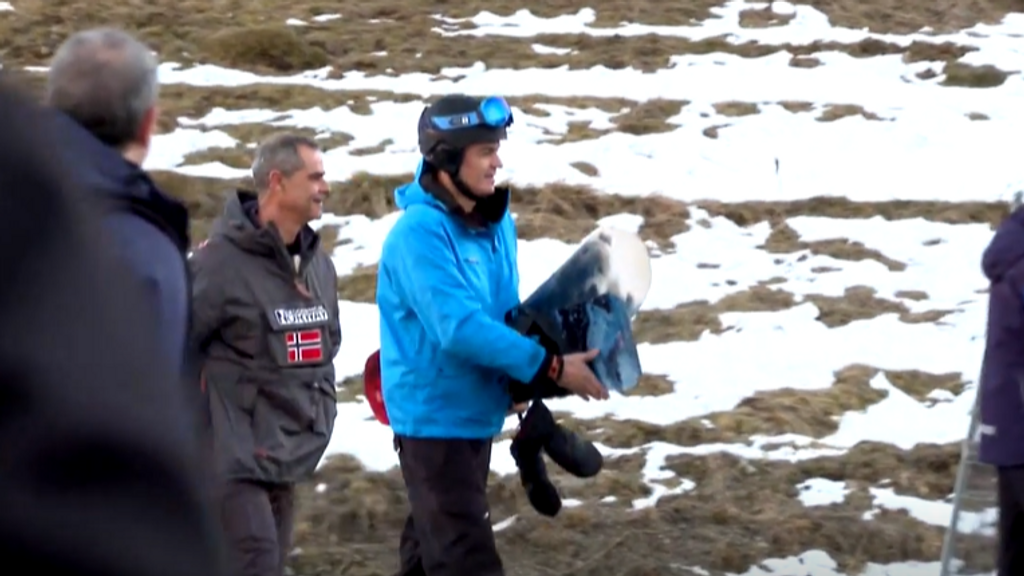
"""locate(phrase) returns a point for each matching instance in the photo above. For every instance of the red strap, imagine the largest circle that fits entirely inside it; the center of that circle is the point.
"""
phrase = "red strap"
(555, 370)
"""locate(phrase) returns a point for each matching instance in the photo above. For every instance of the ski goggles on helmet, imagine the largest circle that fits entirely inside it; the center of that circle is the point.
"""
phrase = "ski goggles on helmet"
(493, 111)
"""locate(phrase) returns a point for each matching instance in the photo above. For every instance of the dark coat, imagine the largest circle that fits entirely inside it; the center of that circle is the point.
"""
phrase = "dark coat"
(98, 475)
(1002, 377)
(149, 229)
(267, 332)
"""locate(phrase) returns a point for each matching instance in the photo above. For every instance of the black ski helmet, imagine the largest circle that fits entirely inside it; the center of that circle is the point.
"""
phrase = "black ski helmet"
(456, 121)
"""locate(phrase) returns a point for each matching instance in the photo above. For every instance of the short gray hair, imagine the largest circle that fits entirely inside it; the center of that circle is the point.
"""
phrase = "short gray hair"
(105, 80)
(280, 152)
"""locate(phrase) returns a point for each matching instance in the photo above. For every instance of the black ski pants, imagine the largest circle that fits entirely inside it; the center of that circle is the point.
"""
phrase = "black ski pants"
(257, 520)
(448, 532)
(1011, 521)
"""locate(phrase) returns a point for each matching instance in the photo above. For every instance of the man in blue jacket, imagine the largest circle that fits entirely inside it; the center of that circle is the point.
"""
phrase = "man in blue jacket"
(1002, 386)
(446, 279)
(103, 85)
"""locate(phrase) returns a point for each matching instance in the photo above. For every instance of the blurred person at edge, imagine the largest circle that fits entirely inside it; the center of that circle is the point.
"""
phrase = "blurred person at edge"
(102, 84)
(447, 277)
(97, 475)
(1002, 386)
(266, 328)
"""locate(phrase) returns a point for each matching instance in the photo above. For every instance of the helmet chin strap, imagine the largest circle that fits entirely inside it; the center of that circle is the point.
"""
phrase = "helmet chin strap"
(463, 189)
(451, 168)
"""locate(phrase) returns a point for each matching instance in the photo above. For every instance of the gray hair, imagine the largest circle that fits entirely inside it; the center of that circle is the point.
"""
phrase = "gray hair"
(105, 80)
(280, 152)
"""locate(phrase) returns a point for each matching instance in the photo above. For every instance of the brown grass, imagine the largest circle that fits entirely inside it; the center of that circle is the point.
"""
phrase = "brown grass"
(652, 385)
(237, 34)
(916, 295)
(969, 76)
(783, 239)
(748, 213)
(804, 62)
(554, 211)
(350, 389)
(688, 321)
(240, 156)
(570, 212)
(861, 303)
(734, 108)
(763, 17)
(234, 32)
(899, 17)
(360, 285)
(833, 112)
(813, 413)
(919, 384)
(739, 513)
(586, 168)
(328, 238)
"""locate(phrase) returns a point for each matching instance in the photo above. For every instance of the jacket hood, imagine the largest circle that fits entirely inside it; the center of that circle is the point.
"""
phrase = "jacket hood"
(1006, 248)
(103, 170)
(425, 189)
(413, 193)
(240, 224)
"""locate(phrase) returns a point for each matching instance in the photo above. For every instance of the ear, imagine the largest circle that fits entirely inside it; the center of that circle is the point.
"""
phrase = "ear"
(148, 127)
(445, 179)
(274, 179)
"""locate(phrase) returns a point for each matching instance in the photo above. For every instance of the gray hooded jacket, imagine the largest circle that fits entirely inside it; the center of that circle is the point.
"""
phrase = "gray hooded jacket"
(265, 324)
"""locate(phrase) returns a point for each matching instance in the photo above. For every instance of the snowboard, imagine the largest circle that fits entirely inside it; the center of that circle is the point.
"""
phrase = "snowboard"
(590, 301)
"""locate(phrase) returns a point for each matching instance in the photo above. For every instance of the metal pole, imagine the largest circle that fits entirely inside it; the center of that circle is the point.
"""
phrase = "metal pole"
(966, 460)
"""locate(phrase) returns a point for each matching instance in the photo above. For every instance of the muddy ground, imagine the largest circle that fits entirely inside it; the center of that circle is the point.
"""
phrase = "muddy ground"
(738, 512)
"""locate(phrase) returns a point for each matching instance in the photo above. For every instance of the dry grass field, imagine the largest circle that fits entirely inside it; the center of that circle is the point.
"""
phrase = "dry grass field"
(738, 512)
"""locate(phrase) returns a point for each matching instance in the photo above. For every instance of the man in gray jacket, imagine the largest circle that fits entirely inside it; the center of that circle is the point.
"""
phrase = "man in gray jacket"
(265, 326)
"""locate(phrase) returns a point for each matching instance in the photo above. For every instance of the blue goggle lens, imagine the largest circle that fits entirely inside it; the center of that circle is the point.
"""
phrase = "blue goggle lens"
(494, 111)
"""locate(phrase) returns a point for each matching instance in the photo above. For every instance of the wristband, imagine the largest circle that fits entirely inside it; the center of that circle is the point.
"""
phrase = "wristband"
(556, 368)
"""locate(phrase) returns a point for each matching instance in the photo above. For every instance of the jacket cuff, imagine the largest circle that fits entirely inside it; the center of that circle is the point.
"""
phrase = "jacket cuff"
(550, 370)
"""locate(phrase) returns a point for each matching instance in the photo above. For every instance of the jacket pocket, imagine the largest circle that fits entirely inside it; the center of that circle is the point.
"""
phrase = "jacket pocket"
(327, 401)
(291, 407)
(282, 413)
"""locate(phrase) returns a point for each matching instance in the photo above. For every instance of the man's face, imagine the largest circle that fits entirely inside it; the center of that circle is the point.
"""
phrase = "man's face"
(304, 192)
(480, 164)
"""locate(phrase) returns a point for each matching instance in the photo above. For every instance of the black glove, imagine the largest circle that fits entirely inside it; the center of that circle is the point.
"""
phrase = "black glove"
(574, 454)
(539, 432)
(527, 448)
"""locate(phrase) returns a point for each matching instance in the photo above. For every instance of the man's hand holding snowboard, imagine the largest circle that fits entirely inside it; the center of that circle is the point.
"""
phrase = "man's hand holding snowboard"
(578, 378)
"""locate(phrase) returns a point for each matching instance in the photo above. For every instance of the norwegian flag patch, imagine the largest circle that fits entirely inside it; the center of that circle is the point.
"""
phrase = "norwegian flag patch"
(304, 346)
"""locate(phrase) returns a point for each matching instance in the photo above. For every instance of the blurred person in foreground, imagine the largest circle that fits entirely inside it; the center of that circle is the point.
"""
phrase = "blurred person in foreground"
(267, 330)
(97, 476)
(1002, 386)
(448, 274)
(103, 85)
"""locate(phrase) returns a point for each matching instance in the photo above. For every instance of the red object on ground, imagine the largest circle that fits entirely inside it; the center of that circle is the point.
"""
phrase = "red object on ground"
(371, 387)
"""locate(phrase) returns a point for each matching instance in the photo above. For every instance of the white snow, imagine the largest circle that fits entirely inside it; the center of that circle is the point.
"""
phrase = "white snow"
(926, 149)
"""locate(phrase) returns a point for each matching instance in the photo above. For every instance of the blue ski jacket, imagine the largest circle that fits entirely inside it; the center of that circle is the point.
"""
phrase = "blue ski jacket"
(443, 289)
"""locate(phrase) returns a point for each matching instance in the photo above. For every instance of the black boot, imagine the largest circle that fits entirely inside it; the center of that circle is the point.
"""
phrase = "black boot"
(527, 448)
